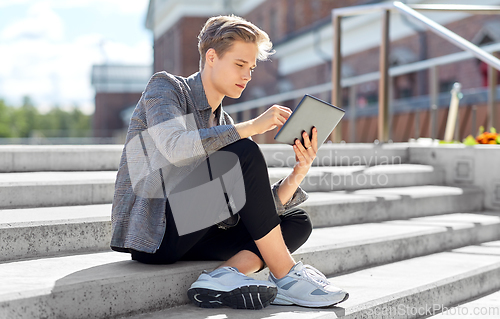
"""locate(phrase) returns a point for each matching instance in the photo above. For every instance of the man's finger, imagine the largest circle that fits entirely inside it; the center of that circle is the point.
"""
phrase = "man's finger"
(298, 151)
(305, 136)
(315, 139)
(284, 109)
(281, 119)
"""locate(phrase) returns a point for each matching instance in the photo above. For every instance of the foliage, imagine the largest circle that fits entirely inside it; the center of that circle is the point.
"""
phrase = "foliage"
(27, 121)
(451, 142)
(483, 137)
(470, 140)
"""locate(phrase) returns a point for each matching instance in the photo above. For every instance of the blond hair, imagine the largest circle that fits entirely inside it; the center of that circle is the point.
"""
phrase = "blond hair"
(219, 33)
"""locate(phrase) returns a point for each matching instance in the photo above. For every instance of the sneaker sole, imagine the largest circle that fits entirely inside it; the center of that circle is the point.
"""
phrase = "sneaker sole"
(345, 298)
(290, 302)
(247, 297)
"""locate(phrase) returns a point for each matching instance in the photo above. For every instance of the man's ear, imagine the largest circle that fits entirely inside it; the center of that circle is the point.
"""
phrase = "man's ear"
(210, 56)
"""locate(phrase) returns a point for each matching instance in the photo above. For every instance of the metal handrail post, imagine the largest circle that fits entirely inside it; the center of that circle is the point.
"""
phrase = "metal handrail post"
(352, 109)
(337, 70)
(492, 97)
(453, 112)
(449, 35)
(416, 124)
(456, 134)
(391, 107)
(433, 90)
(474, 9)
(473, 128)
(383, 97)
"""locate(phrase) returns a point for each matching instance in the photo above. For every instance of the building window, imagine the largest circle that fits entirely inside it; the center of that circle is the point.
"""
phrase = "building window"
(290, 16)
(446, 85)
(372, 98)
(403, 86)
(254, 113)
(368, 94)
(273, 25)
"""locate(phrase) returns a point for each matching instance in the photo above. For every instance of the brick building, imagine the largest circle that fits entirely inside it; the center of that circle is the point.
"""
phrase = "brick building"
(117, 89)
(301, 31)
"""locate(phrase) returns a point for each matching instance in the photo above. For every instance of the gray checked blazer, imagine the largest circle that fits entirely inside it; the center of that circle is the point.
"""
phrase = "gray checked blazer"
(168, 136)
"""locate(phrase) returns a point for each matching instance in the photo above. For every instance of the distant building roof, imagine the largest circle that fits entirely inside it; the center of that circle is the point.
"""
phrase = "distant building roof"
(120, 78)
(490, 33)
(163, 14)
(126, 115)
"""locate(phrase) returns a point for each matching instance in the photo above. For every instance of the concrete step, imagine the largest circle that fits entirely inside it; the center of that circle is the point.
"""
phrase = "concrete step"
(20, 158)
(40, 189)
(414, 288)
(372, 205)
(108, 284)
(486, 307)
(46, 231)
(34, 158)
(49, 231)
(324, 178)
(335, 154)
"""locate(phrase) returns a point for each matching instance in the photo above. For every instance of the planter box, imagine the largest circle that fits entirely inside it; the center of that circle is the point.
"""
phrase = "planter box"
(464, 165)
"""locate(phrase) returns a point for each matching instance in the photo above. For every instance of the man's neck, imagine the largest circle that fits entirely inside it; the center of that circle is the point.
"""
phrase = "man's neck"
(214, 98)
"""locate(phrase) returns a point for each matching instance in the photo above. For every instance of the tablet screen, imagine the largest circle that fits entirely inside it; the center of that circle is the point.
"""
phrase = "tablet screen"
(311, 112)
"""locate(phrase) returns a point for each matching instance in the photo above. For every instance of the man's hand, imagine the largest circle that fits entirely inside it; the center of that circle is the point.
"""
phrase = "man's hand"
(305, 154)
(304, 157)
(273, 117)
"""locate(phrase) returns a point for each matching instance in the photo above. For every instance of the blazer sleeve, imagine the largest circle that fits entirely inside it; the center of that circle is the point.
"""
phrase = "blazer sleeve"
(298, 197)
(175, 132)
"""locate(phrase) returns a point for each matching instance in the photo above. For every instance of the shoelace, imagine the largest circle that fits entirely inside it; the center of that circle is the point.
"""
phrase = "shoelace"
(315, 275)
(227, 267)
(234, 270)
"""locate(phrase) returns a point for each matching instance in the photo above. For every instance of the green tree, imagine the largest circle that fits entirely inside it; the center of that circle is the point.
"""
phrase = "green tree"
(5, 120)
(23, 121)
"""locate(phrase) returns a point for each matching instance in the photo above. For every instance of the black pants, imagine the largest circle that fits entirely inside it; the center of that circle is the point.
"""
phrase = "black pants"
(257, 218)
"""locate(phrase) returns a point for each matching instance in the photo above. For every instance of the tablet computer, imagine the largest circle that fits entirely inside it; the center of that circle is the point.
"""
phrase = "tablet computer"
(311, 112)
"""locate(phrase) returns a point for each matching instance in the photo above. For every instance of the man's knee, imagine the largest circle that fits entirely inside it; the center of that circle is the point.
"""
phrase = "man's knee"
(153, 259)
(307, 225)
(247, 145)
(245, 149)
(302, 220)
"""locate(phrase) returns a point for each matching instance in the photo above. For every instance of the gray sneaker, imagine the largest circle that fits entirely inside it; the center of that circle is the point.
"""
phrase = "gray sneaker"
(306, 286)
(227, 286)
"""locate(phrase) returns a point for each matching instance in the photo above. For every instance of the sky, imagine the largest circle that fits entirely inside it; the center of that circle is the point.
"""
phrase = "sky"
(48, 47)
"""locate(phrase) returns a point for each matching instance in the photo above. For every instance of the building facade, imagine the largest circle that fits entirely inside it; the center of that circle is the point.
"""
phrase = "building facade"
(302, 33)
(118, 88)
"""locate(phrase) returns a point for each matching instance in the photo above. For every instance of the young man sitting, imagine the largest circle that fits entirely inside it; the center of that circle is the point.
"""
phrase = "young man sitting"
(181, 147)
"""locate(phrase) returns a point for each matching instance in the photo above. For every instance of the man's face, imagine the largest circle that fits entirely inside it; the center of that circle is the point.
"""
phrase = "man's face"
(233, 71)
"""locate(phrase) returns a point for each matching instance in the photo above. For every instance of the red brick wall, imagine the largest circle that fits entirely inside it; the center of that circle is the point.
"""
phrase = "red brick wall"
(176, 51)
(403, 125)
(293, 15)
(107, 111)
(167, 51)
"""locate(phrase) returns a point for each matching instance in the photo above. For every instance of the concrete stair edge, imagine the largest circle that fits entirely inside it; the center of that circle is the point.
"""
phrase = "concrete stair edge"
(379, 206)
(486, 306)
(19, 158)
(43, 189)
(109, 278)
(382, 292)
(91, 226)
(321, 179)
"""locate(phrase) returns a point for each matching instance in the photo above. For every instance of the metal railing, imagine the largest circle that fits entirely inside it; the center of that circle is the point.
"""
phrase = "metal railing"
(408, 10)
(431, 64)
